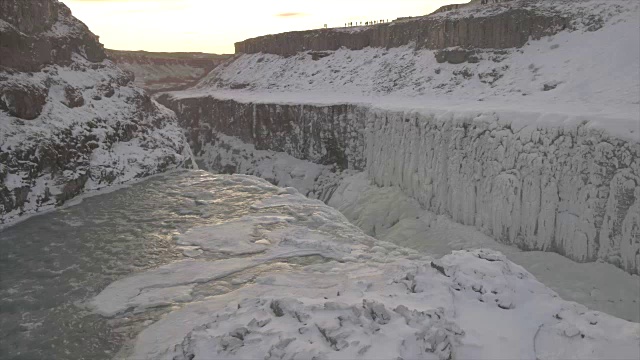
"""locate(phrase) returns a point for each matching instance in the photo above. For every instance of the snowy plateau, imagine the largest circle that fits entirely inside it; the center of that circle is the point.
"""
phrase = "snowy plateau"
(462, 185)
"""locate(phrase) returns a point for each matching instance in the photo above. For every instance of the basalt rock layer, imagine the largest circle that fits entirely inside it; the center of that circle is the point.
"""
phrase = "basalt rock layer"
(504, 27)
(71, 121)
(166, 71)
(39, 33)
(572, 190)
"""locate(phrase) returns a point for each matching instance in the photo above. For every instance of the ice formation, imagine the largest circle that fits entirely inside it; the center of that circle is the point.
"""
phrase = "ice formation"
(322, 288)
(535, 146)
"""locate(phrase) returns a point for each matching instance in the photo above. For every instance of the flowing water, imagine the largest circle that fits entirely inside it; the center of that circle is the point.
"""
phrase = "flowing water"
(52, 264)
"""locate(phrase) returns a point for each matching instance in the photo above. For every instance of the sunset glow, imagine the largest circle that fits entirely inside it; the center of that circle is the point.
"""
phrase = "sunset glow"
(214, 26)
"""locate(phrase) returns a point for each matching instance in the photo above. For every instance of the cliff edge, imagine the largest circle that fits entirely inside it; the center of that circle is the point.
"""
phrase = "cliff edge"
(70, 120)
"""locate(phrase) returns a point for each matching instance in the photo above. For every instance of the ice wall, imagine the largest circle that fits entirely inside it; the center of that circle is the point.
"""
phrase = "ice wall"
(571, 189)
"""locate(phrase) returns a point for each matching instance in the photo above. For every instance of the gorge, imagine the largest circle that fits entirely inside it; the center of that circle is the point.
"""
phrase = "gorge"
(421, 179)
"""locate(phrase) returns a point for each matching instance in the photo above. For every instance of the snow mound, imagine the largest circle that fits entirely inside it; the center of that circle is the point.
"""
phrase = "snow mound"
(433, 311)
(324, 289)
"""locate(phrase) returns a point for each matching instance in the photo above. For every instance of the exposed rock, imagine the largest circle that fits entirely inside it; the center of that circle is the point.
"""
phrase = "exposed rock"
(69, 146)
(570, 190)
(456, 56)
(321, 134)
(38, 33)
(156, 72)
(24, 101)
(507, 27)
(72, 97)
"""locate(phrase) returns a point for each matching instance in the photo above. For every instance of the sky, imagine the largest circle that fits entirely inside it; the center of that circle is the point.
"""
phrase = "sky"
(214, 26)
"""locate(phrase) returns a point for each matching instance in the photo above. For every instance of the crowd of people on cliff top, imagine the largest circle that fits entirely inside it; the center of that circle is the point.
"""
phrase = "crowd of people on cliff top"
(366, 23)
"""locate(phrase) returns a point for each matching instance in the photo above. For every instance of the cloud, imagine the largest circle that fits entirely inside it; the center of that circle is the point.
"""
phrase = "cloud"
(291, 14)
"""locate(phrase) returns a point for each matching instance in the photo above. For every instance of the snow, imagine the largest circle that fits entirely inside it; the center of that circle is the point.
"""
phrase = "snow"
(359, 298)
(158, 143)
(156, 76)
(235, 238)
(520, 177)
(281, 169)
(593, 84)
(389, 214)
(536, 147)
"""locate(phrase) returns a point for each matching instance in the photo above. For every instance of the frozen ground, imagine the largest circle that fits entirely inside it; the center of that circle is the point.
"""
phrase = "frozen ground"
(229, 266)
(389, 214)
(162, 76)
(537, 146)
(292, 278)
(113, 135)
(555, 80)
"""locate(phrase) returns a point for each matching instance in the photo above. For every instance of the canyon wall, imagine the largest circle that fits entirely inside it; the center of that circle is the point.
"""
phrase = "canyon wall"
(324, 135)
(162, 71)
(505, 29)
(70, 120)
(571, 190)
(38, 33)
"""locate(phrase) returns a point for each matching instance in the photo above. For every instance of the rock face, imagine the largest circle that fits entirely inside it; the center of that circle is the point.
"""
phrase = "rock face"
(73, 122)
(471, 3)
(324, 135)
(505, 27)
(24, 101)
(156, 72)
(38, 33)
(522, 143)
(571, 190)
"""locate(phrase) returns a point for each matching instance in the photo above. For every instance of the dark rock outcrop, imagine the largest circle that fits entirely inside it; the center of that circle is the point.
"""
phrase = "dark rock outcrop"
(87, 127)
(510, 28)
(322, 134)
(457, 56)
(572, 190)
(72, 97)
(43, 32)
(24, 101)
(156, 71)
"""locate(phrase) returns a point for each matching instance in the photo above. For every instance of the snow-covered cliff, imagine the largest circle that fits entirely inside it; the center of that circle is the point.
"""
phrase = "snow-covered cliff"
(287, 277)
(536, 146)
(156, 72)
(70, 121)
(570, 189)
(473, 26)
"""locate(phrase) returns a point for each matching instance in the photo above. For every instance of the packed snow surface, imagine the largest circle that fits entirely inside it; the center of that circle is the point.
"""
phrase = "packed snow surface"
(303, 282)
(555, 80)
